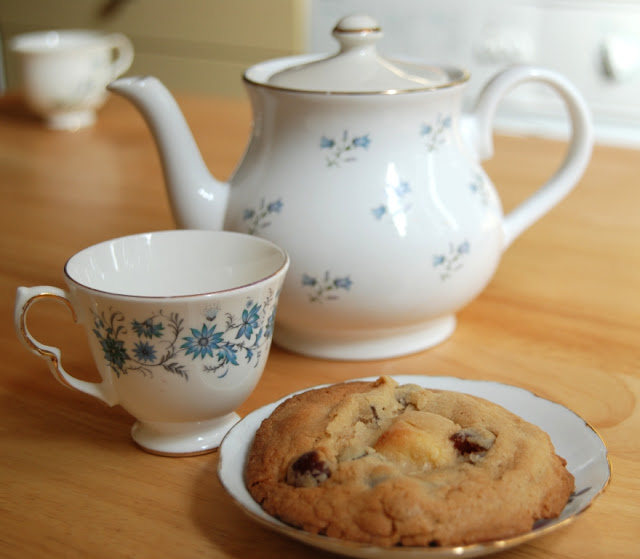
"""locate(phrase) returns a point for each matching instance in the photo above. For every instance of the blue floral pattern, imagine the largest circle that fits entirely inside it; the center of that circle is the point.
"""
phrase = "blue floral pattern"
(480, 188)
(259, 218)
(434, 134)
(324, 289)
(162, 342)
(397, 201)
(450, 262)
(85, 88)
(341, 150)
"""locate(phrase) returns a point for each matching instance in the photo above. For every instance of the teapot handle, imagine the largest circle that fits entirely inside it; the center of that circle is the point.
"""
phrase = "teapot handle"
(578, 154)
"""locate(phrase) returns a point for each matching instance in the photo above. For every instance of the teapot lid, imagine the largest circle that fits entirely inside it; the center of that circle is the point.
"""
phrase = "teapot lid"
(358, 67)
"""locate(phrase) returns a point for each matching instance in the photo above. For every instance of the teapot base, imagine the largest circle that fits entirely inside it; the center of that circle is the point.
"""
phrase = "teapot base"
(366, 345)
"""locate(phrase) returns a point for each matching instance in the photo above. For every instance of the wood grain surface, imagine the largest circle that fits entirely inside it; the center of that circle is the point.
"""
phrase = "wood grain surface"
(561, 318)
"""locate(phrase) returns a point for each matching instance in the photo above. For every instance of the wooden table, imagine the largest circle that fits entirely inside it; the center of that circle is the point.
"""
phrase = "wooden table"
(561, 318)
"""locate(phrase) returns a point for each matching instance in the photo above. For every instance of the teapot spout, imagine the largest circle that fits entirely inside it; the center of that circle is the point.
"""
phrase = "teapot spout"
(197, 199)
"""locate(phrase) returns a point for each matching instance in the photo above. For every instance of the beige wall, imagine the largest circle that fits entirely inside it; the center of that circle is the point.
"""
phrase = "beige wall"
(192, 45)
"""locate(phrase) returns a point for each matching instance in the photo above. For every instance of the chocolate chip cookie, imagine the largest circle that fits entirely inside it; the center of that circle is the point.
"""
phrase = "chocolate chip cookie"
(384, 464)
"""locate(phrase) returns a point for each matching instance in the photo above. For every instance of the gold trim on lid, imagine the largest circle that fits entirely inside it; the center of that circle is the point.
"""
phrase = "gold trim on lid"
(338, 29)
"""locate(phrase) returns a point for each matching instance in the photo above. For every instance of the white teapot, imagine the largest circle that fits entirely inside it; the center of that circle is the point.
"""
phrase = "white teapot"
(365, 171)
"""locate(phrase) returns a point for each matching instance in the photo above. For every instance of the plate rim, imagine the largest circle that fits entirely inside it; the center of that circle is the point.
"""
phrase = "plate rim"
(346, 547)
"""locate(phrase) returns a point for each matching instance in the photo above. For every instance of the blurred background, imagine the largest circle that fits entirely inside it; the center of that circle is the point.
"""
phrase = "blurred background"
(204, 46)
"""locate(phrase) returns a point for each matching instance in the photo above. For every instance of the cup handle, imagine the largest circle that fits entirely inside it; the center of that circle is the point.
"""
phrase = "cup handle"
(27, 296)
(123, 48)
(578, 154)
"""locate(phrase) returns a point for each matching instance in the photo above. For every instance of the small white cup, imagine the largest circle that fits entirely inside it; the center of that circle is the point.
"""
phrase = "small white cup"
(64, 73)
(179, 323)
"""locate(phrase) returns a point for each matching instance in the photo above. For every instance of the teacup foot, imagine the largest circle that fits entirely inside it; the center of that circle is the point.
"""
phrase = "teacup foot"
(367, 345)
(71, 120)
(182, 439)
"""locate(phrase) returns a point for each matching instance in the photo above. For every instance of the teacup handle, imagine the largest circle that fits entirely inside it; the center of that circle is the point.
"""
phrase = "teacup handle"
(124, 53)
(27, 296)
(578, 154)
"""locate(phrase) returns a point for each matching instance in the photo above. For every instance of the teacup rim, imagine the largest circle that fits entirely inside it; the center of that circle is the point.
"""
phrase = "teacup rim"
(128, 296)
(96, 35)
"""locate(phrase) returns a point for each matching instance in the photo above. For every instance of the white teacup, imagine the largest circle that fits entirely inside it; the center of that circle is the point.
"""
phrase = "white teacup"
(65, 73)
(180, 325)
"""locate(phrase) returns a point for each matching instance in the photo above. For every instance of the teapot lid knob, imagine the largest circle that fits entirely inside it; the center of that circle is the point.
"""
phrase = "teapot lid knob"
(357, 23)
(357, 31)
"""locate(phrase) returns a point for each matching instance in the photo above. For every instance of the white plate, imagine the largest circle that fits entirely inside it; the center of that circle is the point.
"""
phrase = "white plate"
(572, 437)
